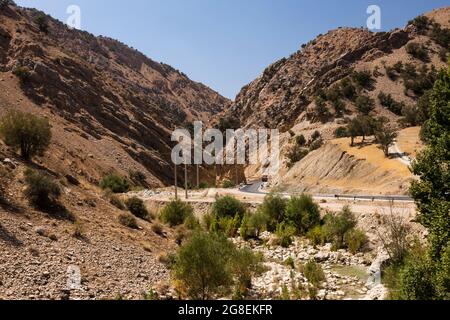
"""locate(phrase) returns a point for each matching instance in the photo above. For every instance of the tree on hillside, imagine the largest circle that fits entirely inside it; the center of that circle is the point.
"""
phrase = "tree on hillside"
(385, 137)
(431, 279)
(26, 132)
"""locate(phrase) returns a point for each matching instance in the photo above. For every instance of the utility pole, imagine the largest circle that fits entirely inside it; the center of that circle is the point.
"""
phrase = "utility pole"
(176, 182)
(186, 180)
(198, 176)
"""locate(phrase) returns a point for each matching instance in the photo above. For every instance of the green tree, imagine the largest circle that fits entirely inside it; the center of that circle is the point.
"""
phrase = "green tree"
(365, 104)
(228, 206)
(274, 208)
(176, 213)
(385, 137)
(302, 213)
(42, 191)
(202, 264)
(432, 191)
(27, 132)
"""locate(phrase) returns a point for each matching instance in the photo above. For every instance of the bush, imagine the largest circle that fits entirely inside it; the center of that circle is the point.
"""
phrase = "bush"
(296, 154)
(418, 51)
(274, 209)
(176, 213)
(115, 183)
(316, 144)
(421, 23)
(388, 102)
(341, 132)
(244, 265)
(365, 104)
(128, 220)
(416, 279)
(137, 207)
(316, 136)
(285, 233)
(317, 236)
(202, 265)
(300, 140)
(116, 202)
(41, 21)
(22, 72)
(440, 35)
(363, 78)
(348, 89)
(228, 206)
(42, 191)
(226, 225)
(336, 226)
(228, 184)
(314, 273)
(138, 178)
(27, 132)
(302, 213)
(355, 240)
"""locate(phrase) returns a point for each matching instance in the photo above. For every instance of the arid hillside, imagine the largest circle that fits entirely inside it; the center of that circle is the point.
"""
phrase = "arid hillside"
(315, 93)
(112, 108)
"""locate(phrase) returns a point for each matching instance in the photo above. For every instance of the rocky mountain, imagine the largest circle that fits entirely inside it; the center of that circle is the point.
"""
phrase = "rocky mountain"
(109, 104)
(345, 73)
(285, 94)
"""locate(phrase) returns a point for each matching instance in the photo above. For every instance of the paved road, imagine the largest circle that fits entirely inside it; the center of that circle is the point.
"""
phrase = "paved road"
(255, 188)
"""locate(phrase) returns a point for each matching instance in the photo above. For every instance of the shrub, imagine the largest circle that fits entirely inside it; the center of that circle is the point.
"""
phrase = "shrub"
(228, 184)
(244, 265)
(27, 132)
(116, 202)
(300, 140)
(285, 233)
(302, 213)
(42, 191)
(341, 132)
(314, 273)
(137, 207)
(274, 209)
(22, 72)
(176, 213)
(365, 104)
(158, 229)
(202, 265)
(388, 102)
(296, 154)
(421, 23)
(416, 279)
(191, 222)
(348, 89)
(321, 109)
(336, 226)
(41, 21)
(363, 78)
(418, 51)
(316, 144)
(228, 206)
(138, 178)
(317, 236)
(316, 136)
(115, 183)
(440, 35)
(355, 240)
(227, 225)
(128, 220)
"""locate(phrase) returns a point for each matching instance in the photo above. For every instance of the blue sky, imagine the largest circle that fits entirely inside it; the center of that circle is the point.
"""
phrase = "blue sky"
(226, 43)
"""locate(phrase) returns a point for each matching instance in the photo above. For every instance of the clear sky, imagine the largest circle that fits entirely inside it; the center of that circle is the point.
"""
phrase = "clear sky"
(226, 43)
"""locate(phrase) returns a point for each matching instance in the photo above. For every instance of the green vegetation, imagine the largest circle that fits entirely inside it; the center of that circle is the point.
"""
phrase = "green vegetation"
(296, 154)
(418, 51)
(424, 273)
(285, 233)
(42, 191)
(176, 213)
(337, 226)
(116, 202)
(365, 104)
(302, 213)
(22, 72)
(27, 132)
(115, 183)
(228, 206)
(137, 207)
(355, 240)
(42, 23)
(128, 220)
(273, 207)
(388, 102)
(363, 79)
(209, 264)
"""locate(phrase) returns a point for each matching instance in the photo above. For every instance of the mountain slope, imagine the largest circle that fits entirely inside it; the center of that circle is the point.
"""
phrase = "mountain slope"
(103, 97)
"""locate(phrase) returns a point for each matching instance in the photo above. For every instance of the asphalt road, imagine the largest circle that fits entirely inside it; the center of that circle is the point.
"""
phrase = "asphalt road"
(255, 188)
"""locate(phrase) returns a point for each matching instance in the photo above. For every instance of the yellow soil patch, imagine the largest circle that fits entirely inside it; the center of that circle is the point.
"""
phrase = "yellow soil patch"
(373, 155)
(409, 141)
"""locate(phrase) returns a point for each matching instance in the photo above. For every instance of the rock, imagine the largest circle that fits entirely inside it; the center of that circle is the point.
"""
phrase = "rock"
(9, 163)
(321, 256)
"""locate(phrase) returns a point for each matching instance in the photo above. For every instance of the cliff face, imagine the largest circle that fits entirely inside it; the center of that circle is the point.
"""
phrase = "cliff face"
(100, 89)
